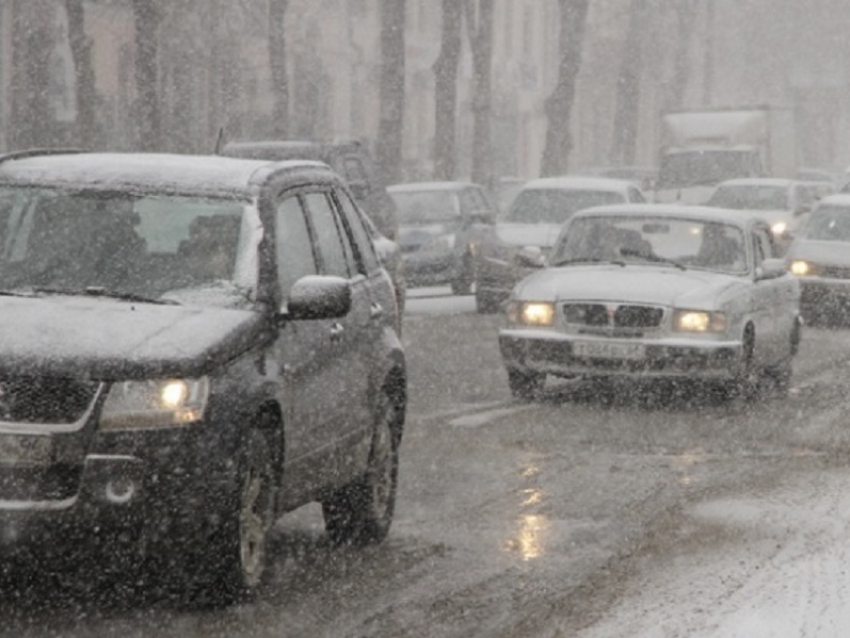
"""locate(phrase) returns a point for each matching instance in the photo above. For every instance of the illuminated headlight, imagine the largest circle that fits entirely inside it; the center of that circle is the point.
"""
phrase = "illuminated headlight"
(802, 268)
(699, 321)
(531, 313)
(779, 228)
(154, 404)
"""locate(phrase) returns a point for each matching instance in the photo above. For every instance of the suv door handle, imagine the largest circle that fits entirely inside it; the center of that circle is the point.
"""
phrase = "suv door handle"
(336, 331)
(376, 311)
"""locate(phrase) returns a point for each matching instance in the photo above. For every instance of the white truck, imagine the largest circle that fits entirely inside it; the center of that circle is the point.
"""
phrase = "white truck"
(701, 148)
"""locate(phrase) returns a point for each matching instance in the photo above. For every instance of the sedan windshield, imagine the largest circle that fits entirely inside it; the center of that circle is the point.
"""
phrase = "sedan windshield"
(426, 207)
(137, 246)
(705, 245)
(555, 206)
(829, 223)
(750, 197)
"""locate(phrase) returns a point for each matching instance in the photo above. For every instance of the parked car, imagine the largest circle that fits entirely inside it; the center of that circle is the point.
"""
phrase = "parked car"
(524, 235)
(441, 225)
(351, 160)
(781, 202)
(820, 258)
(656, 292)
(190, 347)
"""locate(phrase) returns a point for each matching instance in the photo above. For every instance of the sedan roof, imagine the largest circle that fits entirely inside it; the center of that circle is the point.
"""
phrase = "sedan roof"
(145, 172)
(777, 182)
(410, 187)
(835, 200)
(740, 218)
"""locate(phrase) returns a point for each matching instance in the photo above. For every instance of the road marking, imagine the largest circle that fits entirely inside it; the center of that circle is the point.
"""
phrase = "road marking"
(478, 419)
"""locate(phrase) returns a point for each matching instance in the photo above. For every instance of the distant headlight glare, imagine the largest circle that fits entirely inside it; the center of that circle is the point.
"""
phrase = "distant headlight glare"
(779, 228)
(699, 321)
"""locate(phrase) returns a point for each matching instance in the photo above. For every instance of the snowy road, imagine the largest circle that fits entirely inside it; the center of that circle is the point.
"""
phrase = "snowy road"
(571, 516)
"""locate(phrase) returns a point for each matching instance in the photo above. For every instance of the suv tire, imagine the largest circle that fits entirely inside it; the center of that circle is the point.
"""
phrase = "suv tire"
(361, 513)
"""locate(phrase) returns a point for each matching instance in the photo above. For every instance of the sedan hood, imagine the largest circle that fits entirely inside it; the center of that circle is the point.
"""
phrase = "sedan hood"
(542, 235)
(634, 283)
(827, 253)
(110, 339)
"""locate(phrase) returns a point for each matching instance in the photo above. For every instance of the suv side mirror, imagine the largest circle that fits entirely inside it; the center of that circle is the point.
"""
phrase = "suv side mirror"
(771, 269)
(318, 297)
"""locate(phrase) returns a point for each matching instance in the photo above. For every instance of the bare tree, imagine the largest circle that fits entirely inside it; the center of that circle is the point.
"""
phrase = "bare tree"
(686, 11)
(624, 144)
(392, 90)
(146, 17)
(573, 14)
(445, 92)
(479, 21)
(85, 94)
(277, 64)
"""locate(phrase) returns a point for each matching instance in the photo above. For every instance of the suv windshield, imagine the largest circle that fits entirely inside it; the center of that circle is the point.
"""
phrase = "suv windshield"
(751, 197)
(141, 246)
(555, 206)
(706, 167)
(426, 207)
(705, 245)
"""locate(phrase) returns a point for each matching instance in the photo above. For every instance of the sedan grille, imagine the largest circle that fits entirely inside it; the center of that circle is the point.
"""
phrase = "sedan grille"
(613, 316)
(835, 272)
(54, 400)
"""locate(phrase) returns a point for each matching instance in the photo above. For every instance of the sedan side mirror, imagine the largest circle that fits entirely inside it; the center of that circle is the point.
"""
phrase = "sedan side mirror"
(531, 257)
(318, 297)
(771, 269)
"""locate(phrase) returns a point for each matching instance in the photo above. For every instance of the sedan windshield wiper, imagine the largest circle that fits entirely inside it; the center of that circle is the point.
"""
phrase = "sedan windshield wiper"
(631, 252)
(98, 291)
(589, 260)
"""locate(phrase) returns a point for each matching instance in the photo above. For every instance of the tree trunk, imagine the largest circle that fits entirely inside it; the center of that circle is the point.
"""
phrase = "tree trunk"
(481, 41)
(277, 63)
(687, 13)
(627, 110)
(391, 90)
(445, 92)
(146, 22)
(83, 73)
(559, 104)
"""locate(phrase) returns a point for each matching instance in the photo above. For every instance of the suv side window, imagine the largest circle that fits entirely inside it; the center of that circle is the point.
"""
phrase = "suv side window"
(331, 239)
(362, 239)
(294, 247)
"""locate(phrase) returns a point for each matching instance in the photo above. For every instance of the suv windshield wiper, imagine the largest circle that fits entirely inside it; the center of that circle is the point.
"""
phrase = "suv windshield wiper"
(631, 252)
(97, 291)
(589, 260)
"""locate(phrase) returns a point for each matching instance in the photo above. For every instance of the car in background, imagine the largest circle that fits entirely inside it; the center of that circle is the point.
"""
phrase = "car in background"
(441, 226)
(642, 176)
(820, 258)
(507, 188)
(655, 292)
(523, 236)
(351, 160)
(190, 347)
(781, 202)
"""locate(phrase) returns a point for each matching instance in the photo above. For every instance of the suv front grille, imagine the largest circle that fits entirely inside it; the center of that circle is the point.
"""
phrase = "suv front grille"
(53, 400)
(613, 316)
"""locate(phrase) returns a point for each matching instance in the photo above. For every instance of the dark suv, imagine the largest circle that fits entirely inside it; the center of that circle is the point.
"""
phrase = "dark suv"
(190, 346)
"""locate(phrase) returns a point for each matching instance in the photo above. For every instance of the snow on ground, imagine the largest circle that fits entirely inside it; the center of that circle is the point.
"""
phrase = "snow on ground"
(770, 565)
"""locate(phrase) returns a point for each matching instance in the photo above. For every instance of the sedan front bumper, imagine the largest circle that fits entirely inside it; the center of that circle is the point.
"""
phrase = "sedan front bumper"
(568, 355)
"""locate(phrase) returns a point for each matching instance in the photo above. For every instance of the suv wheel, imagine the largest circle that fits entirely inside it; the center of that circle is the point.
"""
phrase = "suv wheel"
(361, 513)
(242, 548)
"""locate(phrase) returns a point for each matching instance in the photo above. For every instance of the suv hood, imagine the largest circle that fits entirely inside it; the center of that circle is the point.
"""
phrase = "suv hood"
(633, 283)
(108, 339)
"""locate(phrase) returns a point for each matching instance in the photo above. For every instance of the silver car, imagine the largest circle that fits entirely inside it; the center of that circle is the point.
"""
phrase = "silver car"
(523, 236)
(820, 258)
(653, 292)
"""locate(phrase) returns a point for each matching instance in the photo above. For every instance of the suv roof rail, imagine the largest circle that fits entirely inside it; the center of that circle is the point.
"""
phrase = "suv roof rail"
(35, 152)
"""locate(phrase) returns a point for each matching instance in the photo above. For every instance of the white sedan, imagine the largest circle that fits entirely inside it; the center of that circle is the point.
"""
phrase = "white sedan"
(654, 291)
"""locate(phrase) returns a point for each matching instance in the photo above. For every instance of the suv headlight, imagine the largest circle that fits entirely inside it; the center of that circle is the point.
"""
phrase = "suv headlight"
(802, 268)
(154, 403)
(699, 321)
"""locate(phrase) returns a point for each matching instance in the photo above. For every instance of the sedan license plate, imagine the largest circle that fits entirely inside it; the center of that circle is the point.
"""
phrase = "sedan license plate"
(603, 350)
(22, 449)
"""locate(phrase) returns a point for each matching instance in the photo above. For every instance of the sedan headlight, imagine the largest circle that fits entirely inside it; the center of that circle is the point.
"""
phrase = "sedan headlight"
(154, 403)
(531, 313)
(802, 268)
(779, 228)
(699, 321)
